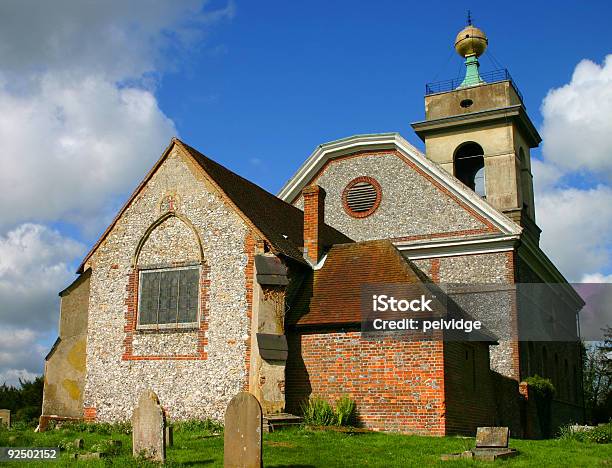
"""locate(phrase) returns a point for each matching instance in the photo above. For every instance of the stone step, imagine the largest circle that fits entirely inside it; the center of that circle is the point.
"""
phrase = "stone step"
(271, 422)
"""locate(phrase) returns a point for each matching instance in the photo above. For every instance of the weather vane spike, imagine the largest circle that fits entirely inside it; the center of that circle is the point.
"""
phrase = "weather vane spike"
(469, 18)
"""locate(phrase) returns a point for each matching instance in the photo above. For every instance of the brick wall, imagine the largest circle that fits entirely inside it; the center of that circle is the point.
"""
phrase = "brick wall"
(470, 400)
(398, 385)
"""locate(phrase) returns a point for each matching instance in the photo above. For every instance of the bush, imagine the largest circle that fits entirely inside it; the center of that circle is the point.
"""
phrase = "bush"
(542, 387)
(318, 412)
(598, 435)
(345, 411)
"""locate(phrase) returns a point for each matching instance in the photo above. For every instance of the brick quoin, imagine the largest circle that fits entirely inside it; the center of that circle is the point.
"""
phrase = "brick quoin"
(249, 246)
(398, 385)
(89, 414)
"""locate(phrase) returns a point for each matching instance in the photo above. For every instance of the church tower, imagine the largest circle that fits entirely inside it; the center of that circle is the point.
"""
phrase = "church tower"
(477, 129)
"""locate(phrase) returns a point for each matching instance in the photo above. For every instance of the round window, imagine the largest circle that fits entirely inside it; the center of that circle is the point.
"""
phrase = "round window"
(361, 197)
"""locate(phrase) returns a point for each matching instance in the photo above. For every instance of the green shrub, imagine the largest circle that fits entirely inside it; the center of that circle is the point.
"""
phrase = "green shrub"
(197, 425)
(345, 411)
(601, 434)
(598, 435)
(542, 387)
(318, 412)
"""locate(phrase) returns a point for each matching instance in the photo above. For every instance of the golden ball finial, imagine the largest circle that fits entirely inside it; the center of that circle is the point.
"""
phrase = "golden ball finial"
(471, 41)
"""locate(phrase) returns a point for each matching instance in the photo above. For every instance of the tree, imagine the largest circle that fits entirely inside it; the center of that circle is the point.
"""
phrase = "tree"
(598, 378)
(25, 401)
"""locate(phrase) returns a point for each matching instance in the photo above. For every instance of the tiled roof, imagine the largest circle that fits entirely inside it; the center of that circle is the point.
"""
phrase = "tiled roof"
(280, 222)
(332, 295)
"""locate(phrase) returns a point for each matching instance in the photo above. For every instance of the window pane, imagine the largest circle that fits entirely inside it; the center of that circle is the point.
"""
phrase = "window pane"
(188, 300)
(168, 293)
(148, 298)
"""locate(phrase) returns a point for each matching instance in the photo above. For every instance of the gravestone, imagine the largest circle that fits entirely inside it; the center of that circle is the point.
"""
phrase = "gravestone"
(148, 428)
(169, 436)
(491, 445)
(242, 447)
(492, 437)
(5, 416)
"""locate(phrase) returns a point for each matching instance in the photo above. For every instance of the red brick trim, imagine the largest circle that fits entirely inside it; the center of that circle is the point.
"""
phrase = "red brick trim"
(489, 226)
(362, 214)
(515, 344)
(249, 246)
(89, 414)
(435, 270)
(131, 319)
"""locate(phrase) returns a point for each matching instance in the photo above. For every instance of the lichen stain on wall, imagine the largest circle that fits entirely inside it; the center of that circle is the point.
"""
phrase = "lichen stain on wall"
(72, 388)
(76, 356)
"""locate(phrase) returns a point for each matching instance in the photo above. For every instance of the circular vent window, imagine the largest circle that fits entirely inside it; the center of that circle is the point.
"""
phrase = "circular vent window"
(361, 197)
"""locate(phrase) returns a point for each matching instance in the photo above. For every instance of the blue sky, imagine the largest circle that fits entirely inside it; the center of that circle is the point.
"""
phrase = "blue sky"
(92, 92)
(285, 79)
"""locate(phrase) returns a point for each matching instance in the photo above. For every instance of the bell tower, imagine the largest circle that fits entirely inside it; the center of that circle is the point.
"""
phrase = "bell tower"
(477, 129)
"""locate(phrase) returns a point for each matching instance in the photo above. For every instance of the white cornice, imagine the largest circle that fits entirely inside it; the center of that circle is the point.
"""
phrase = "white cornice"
(451, 248)
(334, 149)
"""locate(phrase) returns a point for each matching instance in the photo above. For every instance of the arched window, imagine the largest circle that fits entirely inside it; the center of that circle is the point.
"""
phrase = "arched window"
(470, 167)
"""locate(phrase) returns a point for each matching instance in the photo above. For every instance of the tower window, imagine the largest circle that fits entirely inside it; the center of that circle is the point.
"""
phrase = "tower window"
(470, 168)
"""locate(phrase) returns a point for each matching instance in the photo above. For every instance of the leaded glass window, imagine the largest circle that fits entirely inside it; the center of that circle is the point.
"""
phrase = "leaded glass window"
(168, 296)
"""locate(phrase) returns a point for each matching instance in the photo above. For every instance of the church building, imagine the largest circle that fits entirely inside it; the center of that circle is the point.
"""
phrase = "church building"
(205, 285)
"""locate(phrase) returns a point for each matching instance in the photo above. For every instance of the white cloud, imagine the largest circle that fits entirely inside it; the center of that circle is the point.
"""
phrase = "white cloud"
(35, 264)
(596, 278)
(576, 228)
(116, 39)
(66, 146)
(577, 135)
(577, 128)
(21, 356)
(13, 376)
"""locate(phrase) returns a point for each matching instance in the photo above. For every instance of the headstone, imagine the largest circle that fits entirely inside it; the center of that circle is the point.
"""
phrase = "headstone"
(78, 443)
(148, 424)
(491, 445)
(242, 447)
(492, 437)
(5, 415)
(169, 436)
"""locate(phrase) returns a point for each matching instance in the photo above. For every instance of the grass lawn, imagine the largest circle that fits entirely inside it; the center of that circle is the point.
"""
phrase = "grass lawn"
(314, 448)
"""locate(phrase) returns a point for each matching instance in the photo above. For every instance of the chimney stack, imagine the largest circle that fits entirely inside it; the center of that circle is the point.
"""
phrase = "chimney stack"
(314, 217)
